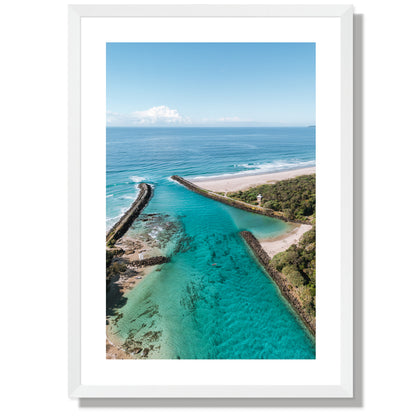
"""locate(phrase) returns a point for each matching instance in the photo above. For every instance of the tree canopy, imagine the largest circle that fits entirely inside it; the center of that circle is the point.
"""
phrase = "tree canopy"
(294, 198)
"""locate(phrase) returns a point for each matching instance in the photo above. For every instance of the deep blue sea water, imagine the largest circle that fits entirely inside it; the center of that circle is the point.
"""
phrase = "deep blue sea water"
(213, 299)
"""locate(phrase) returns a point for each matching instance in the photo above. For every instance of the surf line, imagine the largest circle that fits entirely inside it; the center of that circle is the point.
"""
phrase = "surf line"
(124, 223)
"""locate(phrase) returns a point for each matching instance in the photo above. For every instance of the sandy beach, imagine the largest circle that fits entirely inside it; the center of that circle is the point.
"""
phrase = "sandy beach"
(241, 183)
(283, 242)
(133, 250)
(115, 352)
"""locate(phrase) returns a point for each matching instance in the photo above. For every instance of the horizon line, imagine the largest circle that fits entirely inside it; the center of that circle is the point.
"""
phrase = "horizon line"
(211, 126)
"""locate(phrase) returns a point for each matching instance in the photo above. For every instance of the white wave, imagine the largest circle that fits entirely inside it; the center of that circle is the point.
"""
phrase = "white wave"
(117, 217)
(257, 169)
(137, 179)
(109, 196)
(111, 221)
(277, 166)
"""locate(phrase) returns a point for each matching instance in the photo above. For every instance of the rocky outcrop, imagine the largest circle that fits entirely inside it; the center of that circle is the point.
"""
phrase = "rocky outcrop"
(285, 287)
(124, 223)
(151, 261)
(233, 202)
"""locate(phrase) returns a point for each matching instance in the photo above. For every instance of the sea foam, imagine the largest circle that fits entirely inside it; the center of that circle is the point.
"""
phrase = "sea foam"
(137, 179)
(257, 169)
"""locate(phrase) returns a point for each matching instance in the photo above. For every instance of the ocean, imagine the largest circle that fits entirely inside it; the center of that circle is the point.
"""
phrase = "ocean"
(213, 300)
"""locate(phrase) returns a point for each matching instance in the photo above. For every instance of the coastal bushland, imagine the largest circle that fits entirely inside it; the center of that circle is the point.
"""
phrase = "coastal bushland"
(296, 200)
(298, 265)
(293, 198)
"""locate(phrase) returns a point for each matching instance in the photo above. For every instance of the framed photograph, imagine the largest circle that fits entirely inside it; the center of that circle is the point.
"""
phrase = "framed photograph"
(211, 220)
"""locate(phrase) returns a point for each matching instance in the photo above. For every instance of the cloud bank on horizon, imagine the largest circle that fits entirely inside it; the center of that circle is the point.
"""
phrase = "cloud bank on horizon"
(160, 115)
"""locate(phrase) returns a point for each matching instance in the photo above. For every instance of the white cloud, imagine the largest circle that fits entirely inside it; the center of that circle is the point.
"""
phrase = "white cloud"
(161, 115)
(229, 119)
(112, 117)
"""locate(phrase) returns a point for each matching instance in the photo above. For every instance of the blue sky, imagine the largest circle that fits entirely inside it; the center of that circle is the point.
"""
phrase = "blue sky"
(210, 84)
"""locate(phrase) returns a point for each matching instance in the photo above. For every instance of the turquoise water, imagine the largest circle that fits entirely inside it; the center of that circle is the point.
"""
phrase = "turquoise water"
(212, 300)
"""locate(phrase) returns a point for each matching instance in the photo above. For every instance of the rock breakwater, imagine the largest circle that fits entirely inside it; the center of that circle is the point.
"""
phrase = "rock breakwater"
(124, 223)
(152, 261)
(233, 202)
(285, 287)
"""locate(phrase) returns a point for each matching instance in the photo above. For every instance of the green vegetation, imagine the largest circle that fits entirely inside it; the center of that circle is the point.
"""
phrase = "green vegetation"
(115, 268)
(111, 243)
(297, 264)
(108, 257)
(294, 198)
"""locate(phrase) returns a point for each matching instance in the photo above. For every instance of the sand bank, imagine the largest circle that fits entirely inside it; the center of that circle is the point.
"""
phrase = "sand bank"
(240, 183)
(284, 241)
(115, 352)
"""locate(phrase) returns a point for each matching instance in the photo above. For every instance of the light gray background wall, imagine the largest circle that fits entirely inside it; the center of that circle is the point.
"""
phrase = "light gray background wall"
(34, 190)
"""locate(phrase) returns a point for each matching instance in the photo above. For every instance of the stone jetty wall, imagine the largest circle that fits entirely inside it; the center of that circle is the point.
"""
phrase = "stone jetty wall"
(285, 287)
(151, 261)
(232, 202)
(124, 223)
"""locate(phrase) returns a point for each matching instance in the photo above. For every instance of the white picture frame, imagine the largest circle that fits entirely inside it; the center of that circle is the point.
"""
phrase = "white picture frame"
(343, 387)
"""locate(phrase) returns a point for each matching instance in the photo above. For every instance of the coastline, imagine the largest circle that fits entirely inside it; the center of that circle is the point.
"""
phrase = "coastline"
(132, 252)
(286, 289)
(114, 351)
(137, 260)
(124, 223)
(272, 246)
(241, 183)
(233, 202)
(266, 249)
(129, 260)
(131, 257)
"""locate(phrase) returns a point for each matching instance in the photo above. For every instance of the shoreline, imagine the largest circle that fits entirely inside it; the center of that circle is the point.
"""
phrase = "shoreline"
(233, 202)
(286, 289)
(123, 224)
(272, 246)
(241, 183)
(265, 250)
(114, 351)
(130, 261)
(124, 284)
(133, 253)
